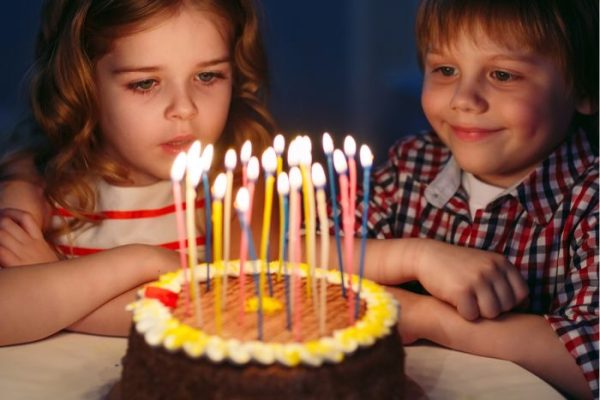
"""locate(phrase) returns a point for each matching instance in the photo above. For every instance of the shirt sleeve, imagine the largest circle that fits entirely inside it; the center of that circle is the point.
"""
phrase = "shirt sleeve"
(382, 204)
(575, 315)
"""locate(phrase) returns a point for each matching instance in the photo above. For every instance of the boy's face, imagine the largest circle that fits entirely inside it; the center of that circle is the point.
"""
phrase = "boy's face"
(162, 88)
(500, 111)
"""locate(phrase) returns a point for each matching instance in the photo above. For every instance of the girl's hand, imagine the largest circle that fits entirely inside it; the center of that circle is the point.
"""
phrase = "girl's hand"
(21, 240)
(413, 314)
(478, 283)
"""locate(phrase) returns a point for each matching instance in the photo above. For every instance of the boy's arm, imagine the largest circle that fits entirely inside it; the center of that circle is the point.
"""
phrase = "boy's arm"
(476, 282)
(525, 339)
(39, 300)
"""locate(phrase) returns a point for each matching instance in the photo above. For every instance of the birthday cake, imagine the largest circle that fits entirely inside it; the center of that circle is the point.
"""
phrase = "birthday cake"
(226, 343)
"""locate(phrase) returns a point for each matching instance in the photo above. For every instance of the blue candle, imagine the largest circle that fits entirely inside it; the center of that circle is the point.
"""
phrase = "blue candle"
(366, 159)
(328, 149)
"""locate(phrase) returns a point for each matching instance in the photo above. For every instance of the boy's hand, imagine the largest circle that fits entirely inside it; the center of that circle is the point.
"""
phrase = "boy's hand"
(478, 283)
(21, 240)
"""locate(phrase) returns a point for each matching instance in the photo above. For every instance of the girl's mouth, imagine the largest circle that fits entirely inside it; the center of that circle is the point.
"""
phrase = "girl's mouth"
(178, 144)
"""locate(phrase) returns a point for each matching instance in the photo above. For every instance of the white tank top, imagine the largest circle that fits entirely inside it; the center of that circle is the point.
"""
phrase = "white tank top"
(143, 215)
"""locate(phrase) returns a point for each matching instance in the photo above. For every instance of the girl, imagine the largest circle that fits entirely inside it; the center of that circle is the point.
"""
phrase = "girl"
(119, 89)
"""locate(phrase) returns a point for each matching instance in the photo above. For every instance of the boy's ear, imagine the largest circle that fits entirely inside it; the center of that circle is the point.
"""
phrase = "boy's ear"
(586, 106)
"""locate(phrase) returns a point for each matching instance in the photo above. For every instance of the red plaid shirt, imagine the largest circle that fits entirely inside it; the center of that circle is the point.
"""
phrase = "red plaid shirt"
(547, 226)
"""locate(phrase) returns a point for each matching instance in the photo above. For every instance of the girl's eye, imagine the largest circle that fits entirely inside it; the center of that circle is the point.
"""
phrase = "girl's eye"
(446, 71)
(208, 77)
(143, 86)
(503, 76)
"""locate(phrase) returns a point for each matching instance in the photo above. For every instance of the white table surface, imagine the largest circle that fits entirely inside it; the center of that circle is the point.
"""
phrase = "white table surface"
(76, 366)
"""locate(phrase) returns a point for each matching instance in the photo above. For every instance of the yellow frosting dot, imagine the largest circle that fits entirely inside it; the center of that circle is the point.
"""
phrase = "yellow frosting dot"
(270, 305)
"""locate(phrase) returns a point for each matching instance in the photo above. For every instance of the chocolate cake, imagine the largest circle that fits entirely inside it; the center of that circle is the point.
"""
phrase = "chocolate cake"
(177, 354)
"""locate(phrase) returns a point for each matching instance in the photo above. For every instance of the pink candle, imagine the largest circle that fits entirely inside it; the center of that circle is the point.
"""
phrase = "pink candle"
(245, 154)
(347, 222)
(177, 171)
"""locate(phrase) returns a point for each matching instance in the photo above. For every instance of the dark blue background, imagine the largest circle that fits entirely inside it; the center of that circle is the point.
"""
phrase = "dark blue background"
(343, 66)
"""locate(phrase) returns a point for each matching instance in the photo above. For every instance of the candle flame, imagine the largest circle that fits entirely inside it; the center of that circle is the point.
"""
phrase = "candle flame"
(253, 169)
(283, 184)
(327, 143)
(207, 156)
(318, 175)
(269, 160)
(305, 154)
(194, 170)
(279, 144)
(295, 178)
(219, 187)
(194, 150)
(230, 159)
(242, 200)
(339, 161)
(246, 152)
(349, 146)
(293, 151)
(178, 167)
(366, 156)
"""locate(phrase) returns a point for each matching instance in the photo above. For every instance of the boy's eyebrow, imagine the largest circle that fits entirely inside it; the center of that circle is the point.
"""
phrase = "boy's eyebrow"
(154, 68)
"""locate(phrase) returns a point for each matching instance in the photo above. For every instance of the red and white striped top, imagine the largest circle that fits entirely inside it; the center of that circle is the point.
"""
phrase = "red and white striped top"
(127, 215)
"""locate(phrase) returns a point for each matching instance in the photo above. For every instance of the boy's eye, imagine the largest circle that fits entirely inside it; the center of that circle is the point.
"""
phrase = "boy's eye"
(445, 70)
(143, 86)
(502, 76)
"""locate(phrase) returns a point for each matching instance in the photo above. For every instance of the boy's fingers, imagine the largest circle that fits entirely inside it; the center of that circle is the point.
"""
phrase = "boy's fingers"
(518, 285)
(11, 233)
(467, 307)
(504, 293)
(489, 305)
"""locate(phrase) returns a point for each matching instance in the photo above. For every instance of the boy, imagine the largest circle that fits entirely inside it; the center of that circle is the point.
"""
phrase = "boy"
(501, 203)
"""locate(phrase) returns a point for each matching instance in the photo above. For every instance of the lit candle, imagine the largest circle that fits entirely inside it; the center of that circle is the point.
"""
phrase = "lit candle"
(252, 172)
(283, 189)
(230, 162)
(207, 156)
(366, 161)
(328, 150)
(245, 155)
(279, 147)
(192, 178)
(218, 192)
(318, 177)
(308, 196)
(341, 167)
(269, 163)
(295, 185)
(242, 205)
(350, 151)
(177, 172)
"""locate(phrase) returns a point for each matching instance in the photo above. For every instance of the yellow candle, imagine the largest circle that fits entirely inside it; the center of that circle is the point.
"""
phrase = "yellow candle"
(308, 197)
(279, 147)
(192, 178)
(218, 192)
(269, 162)
(318, 175)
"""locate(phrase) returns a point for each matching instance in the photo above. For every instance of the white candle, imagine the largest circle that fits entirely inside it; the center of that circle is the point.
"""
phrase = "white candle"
(318, 177)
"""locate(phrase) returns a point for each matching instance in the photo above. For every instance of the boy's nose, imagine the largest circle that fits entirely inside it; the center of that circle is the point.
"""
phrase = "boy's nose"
(181, 105)
(468, 97)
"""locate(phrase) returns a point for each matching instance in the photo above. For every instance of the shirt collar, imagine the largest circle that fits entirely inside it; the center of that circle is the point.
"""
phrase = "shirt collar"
(541, 192)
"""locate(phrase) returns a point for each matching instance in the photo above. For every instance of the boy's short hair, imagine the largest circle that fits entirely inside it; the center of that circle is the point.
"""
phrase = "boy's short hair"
(566, 31)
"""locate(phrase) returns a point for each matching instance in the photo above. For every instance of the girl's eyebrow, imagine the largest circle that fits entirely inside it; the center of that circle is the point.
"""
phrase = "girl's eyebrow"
(154, 68)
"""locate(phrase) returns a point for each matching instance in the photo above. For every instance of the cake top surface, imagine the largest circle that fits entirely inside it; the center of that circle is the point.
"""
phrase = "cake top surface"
(162, 320)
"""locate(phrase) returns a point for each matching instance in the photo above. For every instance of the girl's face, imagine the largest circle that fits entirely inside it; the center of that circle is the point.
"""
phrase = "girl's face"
(162, 88)
(500, 111)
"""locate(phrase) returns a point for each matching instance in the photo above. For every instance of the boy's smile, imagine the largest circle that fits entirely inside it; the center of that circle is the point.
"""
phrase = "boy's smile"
(500, 111)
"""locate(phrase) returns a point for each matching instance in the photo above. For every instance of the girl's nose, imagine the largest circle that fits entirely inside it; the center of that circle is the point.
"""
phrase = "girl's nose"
(181, 105)
(469, 97)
